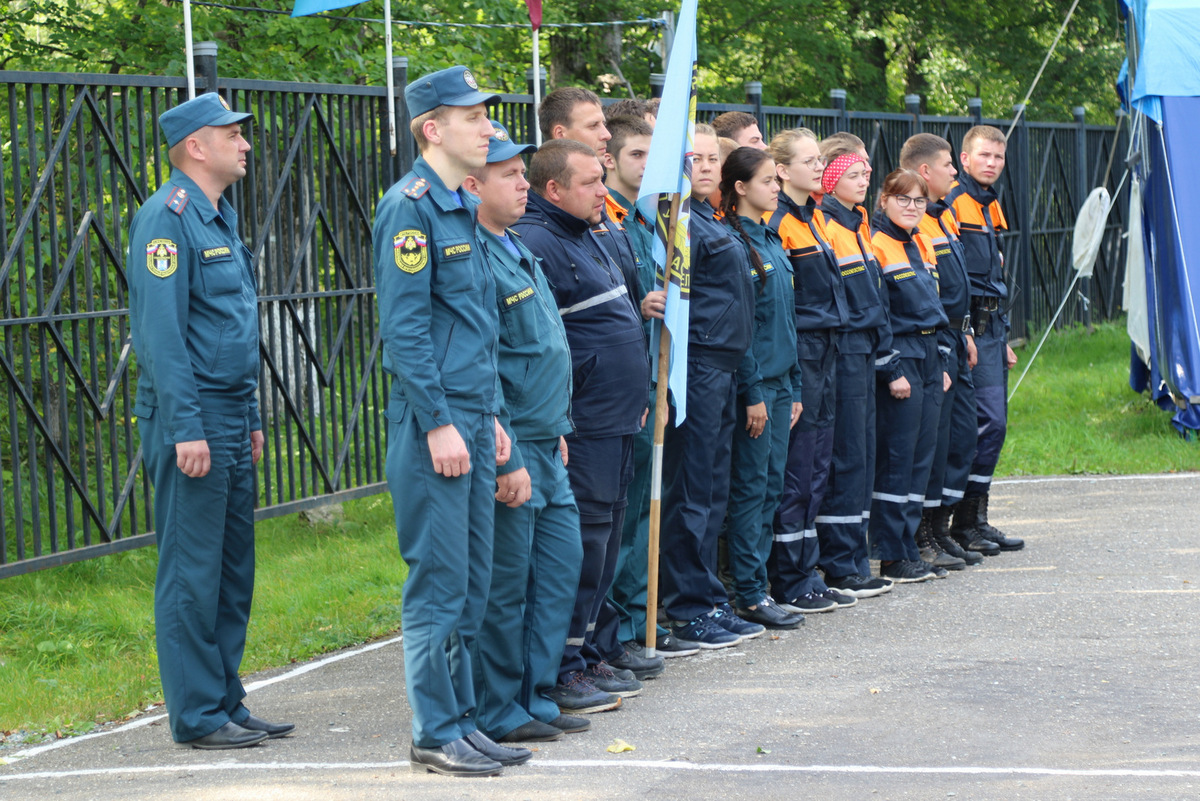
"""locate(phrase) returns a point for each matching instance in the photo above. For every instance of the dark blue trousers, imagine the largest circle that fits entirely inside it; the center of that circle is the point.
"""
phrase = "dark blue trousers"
(204, 528)
(906, 435)
(991, 402)
(600, 469)
(756, 485)
(445, 529)
(535, 573)
(795, 552)
(696, 460)
(956, 429)
(841, 524)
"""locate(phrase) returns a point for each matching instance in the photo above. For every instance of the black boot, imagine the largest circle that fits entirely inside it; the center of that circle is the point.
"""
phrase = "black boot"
(992, 533)
(964, 531)
(939, 520)
(931, 551)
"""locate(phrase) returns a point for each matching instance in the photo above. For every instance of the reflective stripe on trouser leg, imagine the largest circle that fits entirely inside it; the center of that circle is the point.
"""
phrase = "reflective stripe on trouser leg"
(907, 437)
(991, 401)
(839, 523)
(535, 571)
(445, 529)
(938, 482)
(695, 491)
(756, 482)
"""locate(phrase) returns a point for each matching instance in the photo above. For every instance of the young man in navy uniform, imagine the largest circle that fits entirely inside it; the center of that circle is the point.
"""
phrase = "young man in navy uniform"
(438, 322)
(194, 322)
(537, 551)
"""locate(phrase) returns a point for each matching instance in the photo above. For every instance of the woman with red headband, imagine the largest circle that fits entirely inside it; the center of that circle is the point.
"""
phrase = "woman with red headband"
(841, 522)
(906, 430)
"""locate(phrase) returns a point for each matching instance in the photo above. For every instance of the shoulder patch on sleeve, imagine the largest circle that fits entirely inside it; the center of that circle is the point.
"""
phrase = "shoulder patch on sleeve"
(416, 187)
(411, 249)
(162, 257)
(177, 201)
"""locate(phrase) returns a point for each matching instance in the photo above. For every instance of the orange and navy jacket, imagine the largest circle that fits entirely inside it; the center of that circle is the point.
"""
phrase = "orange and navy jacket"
(850, 238)
(909, 269)
(940, 229)
(980, 221)
(820, 293)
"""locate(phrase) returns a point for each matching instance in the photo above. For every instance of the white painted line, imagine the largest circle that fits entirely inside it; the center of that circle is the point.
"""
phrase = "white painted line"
(145, 721)
(626, 764)
(1077, 479)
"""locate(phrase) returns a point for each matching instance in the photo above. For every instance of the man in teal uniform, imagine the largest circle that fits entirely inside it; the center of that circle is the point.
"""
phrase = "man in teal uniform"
(537, 553)
(437, 320)
(194, 322)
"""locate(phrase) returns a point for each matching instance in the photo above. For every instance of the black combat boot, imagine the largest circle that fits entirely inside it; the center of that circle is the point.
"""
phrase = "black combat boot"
(940, 521)
(990, 532)
(964, 531)
(931, 551)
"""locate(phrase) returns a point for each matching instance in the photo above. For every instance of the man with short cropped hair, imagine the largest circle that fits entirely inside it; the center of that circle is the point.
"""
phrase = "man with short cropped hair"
(610, 388)
(741, 127)
(977, 208)
(438, 325)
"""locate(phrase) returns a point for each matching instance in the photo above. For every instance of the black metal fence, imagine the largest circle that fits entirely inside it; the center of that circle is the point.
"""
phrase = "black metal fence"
(82, 152)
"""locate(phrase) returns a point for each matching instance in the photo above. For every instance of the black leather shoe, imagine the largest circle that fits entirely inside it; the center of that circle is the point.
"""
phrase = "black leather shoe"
(499, 753)
(230, 735)
(532, 732)
(571, 724)
(273, 730)
(768, 614)
(455, 758)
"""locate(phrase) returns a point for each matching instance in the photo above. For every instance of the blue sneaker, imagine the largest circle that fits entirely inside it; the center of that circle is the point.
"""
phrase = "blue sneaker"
(727, 619)
(704, 632)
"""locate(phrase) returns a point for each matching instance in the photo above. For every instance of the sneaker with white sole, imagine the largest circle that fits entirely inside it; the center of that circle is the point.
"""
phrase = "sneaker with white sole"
(705, 633)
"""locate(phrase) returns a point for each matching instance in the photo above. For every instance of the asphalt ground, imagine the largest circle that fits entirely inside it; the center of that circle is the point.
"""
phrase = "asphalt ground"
(1067, 670)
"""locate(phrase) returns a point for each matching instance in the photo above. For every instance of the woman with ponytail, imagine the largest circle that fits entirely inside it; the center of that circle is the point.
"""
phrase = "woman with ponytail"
(696, 451)
(768, 387)
(915, 380)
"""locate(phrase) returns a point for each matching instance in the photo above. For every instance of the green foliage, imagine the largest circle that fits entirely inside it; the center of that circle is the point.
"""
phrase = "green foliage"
(878, 50)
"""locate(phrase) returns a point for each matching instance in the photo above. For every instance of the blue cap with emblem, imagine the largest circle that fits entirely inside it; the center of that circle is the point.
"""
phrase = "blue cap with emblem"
(199, 112)
(502, 148)
(454, 86)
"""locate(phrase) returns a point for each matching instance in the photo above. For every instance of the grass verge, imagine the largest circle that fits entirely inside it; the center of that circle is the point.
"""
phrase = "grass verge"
(77, 642)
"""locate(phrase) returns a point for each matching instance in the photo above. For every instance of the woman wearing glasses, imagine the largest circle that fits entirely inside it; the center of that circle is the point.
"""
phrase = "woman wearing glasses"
(915, 378)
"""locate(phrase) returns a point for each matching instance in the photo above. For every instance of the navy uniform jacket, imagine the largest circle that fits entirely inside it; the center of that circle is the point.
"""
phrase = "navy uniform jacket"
(865, 296)
(616, 240)
(939, 227)
(772, 355)
(535, 359)
(193, 311)
(909, 274)
(820, 293)
(980, 221)
(611, 373)
(721, 300)
(622, 211)
(437, 309)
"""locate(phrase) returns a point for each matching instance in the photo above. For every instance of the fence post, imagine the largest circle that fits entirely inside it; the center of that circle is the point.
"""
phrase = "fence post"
(204, 57)
(1081, 188)
(975, 110)
(405, 146)
(1021, 186)
(837, 98)
(657, 81)
(912, 103)
(754, 98)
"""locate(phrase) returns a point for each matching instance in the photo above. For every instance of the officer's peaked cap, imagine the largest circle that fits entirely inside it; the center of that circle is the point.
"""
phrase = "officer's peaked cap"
(454, 86)
(203, 110)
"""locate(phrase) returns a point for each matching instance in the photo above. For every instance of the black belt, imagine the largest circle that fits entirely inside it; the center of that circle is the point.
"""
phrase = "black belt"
(985, 303)
(927, 331)
(960, 324)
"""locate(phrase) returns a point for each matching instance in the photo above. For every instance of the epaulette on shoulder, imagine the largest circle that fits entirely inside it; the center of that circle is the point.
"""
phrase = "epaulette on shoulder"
(416, 187)
(177, 201)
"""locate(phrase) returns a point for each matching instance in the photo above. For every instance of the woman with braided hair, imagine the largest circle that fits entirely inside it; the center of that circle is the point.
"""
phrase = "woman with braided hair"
(768, 387)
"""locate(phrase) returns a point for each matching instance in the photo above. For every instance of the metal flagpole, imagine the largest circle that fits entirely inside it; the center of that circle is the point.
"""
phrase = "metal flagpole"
(187, 48)
(537, 87)
(391, 87)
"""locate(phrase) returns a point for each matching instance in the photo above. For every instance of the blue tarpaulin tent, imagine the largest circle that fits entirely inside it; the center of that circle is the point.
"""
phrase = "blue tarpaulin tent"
(1160, 85)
